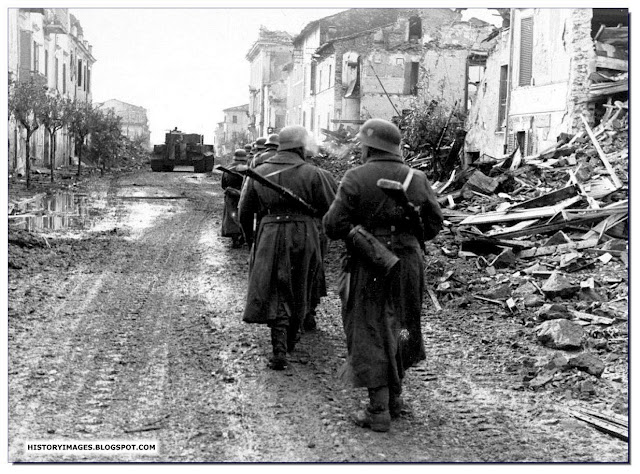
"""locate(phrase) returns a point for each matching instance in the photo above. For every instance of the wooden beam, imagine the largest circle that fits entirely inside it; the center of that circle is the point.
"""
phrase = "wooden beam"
(515, 244)
(592, 318)
(519, 215)
(612, 418)
(612, 63)
(610, 428)
(614, 87)
(601, 153)
(434, 299)
(549, 198)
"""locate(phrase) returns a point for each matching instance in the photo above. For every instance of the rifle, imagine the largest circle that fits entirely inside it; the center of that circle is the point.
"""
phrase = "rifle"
(229, 170)
(396, 191)
(244, 170)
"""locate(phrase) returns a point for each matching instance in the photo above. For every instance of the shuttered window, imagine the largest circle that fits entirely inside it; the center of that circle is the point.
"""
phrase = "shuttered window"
(502, 106)
(25, 54)
(526, 51)
(36, 57)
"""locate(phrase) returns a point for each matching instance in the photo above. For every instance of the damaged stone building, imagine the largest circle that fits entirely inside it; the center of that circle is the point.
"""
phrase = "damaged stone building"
(365, 63)
(134, 123)
(267, 85)
(546, 68)
(50, 43)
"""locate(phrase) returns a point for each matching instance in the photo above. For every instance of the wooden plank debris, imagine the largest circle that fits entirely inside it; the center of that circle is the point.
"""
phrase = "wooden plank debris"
(603, 157)
(613, 429)
(612, 63)
(434, 299)
(591, 317)
(520, 215)
(549, 199)
(611, 417)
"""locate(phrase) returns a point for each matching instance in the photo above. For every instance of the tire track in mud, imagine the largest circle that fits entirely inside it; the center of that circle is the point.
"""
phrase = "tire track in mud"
(111, 367)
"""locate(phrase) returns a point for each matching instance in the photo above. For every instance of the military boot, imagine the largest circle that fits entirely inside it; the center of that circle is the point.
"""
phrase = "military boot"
(376, 416)
(279, 343)
(397, 406)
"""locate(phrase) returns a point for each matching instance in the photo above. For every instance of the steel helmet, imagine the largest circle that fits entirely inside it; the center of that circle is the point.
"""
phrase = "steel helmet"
(273, 140)
(293, 136)
(240, 155)
(382, 135)
(247, 147)
(260, 143)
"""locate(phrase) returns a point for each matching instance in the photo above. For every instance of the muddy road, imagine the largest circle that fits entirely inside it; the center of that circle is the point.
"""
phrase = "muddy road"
(130, 329)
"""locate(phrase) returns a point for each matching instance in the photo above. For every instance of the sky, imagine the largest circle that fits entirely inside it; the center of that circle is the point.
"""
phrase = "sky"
(184, 65)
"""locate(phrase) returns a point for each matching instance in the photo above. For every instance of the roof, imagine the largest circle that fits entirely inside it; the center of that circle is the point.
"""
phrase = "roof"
(122, 102)
(268, 37)
(352, 21)
(237, 107)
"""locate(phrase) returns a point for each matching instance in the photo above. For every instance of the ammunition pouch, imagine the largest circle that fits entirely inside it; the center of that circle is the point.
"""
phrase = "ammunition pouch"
(369, 248)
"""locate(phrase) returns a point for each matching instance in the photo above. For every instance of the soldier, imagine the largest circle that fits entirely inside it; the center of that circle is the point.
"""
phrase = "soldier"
(271, 148)
(286, 255)
(232, 184)
(381, 314)
(258, 147)
(320, 285)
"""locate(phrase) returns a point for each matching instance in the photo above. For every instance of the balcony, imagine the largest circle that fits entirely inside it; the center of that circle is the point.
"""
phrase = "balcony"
(55, 28)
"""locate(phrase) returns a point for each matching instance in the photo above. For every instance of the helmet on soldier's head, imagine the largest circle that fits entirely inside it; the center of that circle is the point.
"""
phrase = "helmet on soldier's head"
(382, 135)
(260, 143)
(293, 136)
(247, 147)
(240, 155)
(273, 140)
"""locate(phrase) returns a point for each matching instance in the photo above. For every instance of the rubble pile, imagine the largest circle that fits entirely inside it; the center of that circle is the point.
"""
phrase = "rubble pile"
(548, 235)
(339, 152)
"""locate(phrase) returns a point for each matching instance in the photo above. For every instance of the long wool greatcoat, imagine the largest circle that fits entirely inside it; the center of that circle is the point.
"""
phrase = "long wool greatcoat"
(286, 257)
(231, 185)
(381, 315)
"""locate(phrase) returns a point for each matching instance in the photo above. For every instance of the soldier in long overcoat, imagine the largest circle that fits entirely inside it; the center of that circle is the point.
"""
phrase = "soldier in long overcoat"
(232, 184)
(381, 314)
(286, 254)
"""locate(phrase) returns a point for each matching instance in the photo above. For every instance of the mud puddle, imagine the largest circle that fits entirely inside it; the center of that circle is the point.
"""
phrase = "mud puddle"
(51, 212)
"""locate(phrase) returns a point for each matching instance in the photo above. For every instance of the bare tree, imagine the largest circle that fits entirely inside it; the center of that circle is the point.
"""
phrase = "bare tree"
(54, 116)
(82, 118)
(26, 101)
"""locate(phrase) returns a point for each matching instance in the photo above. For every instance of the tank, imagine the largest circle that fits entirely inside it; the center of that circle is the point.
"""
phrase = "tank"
(182, 149)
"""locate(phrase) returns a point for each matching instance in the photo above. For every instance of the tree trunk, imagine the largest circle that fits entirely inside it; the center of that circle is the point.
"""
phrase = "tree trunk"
(27, 165)
(79, 155)
(52, 151)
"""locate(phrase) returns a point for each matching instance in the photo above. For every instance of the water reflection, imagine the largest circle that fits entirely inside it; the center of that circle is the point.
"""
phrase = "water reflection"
(51, 212)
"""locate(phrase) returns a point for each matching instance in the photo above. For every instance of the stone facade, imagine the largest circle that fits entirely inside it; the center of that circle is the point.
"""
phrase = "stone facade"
(561, 57)
(48, 42)
(347, 70)
(267, 85)
(233, 132)
(133, 120)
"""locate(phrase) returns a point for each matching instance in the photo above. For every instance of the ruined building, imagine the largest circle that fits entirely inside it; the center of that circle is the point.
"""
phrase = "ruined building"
(133, 120)
(364, 63)
(548, 67)
(50, 43)
(267, 86)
